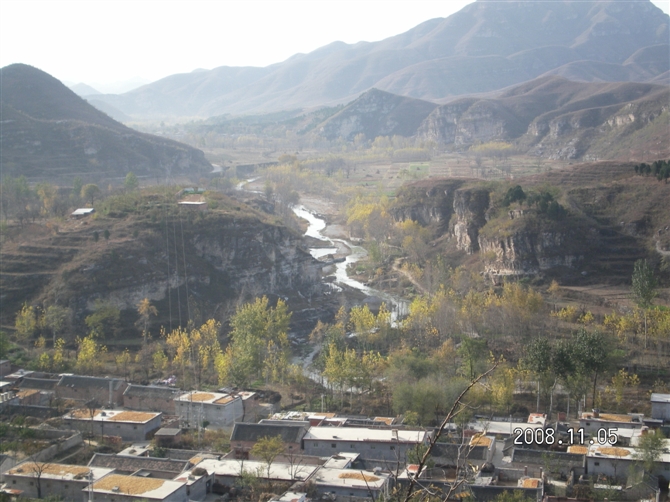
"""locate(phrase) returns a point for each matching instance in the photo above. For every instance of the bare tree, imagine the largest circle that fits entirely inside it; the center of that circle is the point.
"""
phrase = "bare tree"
(455, 410)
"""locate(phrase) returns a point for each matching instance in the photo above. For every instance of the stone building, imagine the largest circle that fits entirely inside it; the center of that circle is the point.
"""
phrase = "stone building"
(219, 410)
(106, 391)
(150, 398)
(43, 478)
(389, 445)
(245, 436)
(129, 425)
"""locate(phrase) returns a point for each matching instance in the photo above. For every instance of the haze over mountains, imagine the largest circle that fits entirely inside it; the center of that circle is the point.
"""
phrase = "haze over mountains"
(485, 47)
(49, 131)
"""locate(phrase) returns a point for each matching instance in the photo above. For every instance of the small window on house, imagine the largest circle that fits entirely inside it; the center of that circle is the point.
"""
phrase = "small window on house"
(316, 445)
(588, 423)
(13, 481)
(597, 463)
(135, 427)
(31, 483)
(333, 445)
(290, 447)
(393, 447)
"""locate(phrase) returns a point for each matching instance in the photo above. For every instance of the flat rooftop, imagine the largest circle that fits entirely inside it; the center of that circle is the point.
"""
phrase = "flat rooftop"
(660, 398)
(363, 434)
(206, 397)
(494, 428)
(612, 417)
(63, 472)
(146, 488)
(620, 453)
(341, 461)
(112, 416)
(278, 470)
(350, 478)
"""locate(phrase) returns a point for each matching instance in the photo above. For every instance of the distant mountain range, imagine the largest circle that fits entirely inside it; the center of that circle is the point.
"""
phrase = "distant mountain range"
(487, 46)
(550, 116)
(49, 131)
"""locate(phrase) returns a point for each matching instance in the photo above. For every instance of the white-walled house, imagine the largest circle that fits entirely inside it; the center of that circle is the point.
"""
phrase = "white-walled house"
(218, 409)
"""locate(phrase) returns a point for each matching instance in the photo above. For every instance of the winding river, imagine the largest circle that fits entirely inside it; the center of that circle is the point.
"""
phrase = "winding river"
(398, 306)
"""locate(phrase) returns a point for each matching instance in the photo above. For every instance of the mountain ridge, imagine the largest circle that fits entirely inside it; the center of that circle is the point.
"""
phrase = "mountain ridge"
(48, 131)
(484, 47)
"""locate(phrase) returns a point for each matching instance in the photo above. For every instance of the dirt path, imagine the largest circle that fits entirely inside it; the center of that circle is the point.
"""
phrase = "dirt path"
(396, 267)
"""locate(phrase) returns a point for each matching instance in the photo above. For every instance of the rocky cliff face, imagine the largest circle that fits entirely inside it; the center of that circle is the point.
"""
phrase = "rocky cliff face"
(470, 207)
(527, 253)
(466, 122)
(560, 119)
(198, 266)
(426, 202)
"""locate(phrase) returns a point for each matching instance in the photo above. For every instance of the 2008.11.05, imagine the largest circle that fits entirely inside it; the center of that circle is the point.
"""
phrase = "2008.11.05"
(547, 436)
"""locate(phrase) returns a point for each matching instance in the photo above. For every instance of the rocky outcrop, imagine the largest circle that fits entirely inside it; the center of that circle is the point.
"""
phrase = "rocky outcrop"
(468, 121)
(470, 206)
(264, 256)
(526, 253)
(426, 202)
(202, 264)
(377, 113)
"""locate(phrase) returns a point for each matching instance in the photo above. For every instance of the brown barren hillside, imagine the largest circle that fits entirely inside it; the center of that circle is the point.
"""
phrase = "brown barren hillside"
(50, 132)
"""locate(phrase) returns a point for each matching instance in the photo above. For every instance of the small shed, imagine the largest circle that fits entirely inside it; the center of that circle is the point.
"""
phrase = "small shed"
(168, 437)
(82, 212)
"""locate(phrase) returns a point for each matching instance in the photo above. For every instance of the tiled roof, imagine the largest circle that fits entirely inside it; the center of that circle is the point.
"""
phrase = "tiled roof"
(132, 464)
(152, 392)
(253, 432)
(38, 383)
(89, 382)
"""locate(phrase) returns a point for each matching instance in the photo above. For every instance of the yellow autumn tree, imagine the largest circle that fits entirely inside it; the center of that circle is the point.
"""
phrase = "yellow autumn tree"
(194, 351)
(89, 353)
(145, 311)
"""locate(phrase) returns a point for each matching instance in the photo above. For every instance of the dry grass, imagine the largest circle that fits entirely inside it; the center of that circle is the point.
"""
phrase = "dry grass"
(615, 417)
(200, 396)
(224, 400)
(386, 420)
(613, 451)
(84, 413)
(480, 440)
(578, 449)
(359, 476)
(530, 483)
(132, 416)
(50, 469)
(130, 485)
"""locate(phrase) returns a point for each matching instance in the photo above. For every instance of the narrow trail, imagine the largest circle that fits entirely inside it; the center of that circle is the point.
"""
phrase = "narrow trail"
(397, 268)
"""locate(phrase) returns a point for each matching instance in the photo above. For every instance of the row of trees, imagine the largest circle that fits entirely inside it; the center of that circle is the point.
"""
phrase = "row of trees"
(659, 168)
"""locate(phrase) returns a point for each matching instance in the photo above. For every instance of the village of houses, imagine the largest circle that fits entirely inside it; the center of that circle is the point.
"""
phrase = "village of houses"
(325, 456)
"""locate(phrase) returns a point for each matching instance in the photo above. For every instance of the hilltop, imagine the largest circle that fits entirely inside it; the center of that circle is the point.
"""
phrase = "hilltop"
(486, 46)
(50, 132)
(178, 258)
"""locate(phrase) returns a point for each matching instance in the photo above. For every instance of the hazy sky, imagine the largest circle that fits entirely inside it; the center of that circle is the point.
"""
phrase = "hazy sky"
(101, 42)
